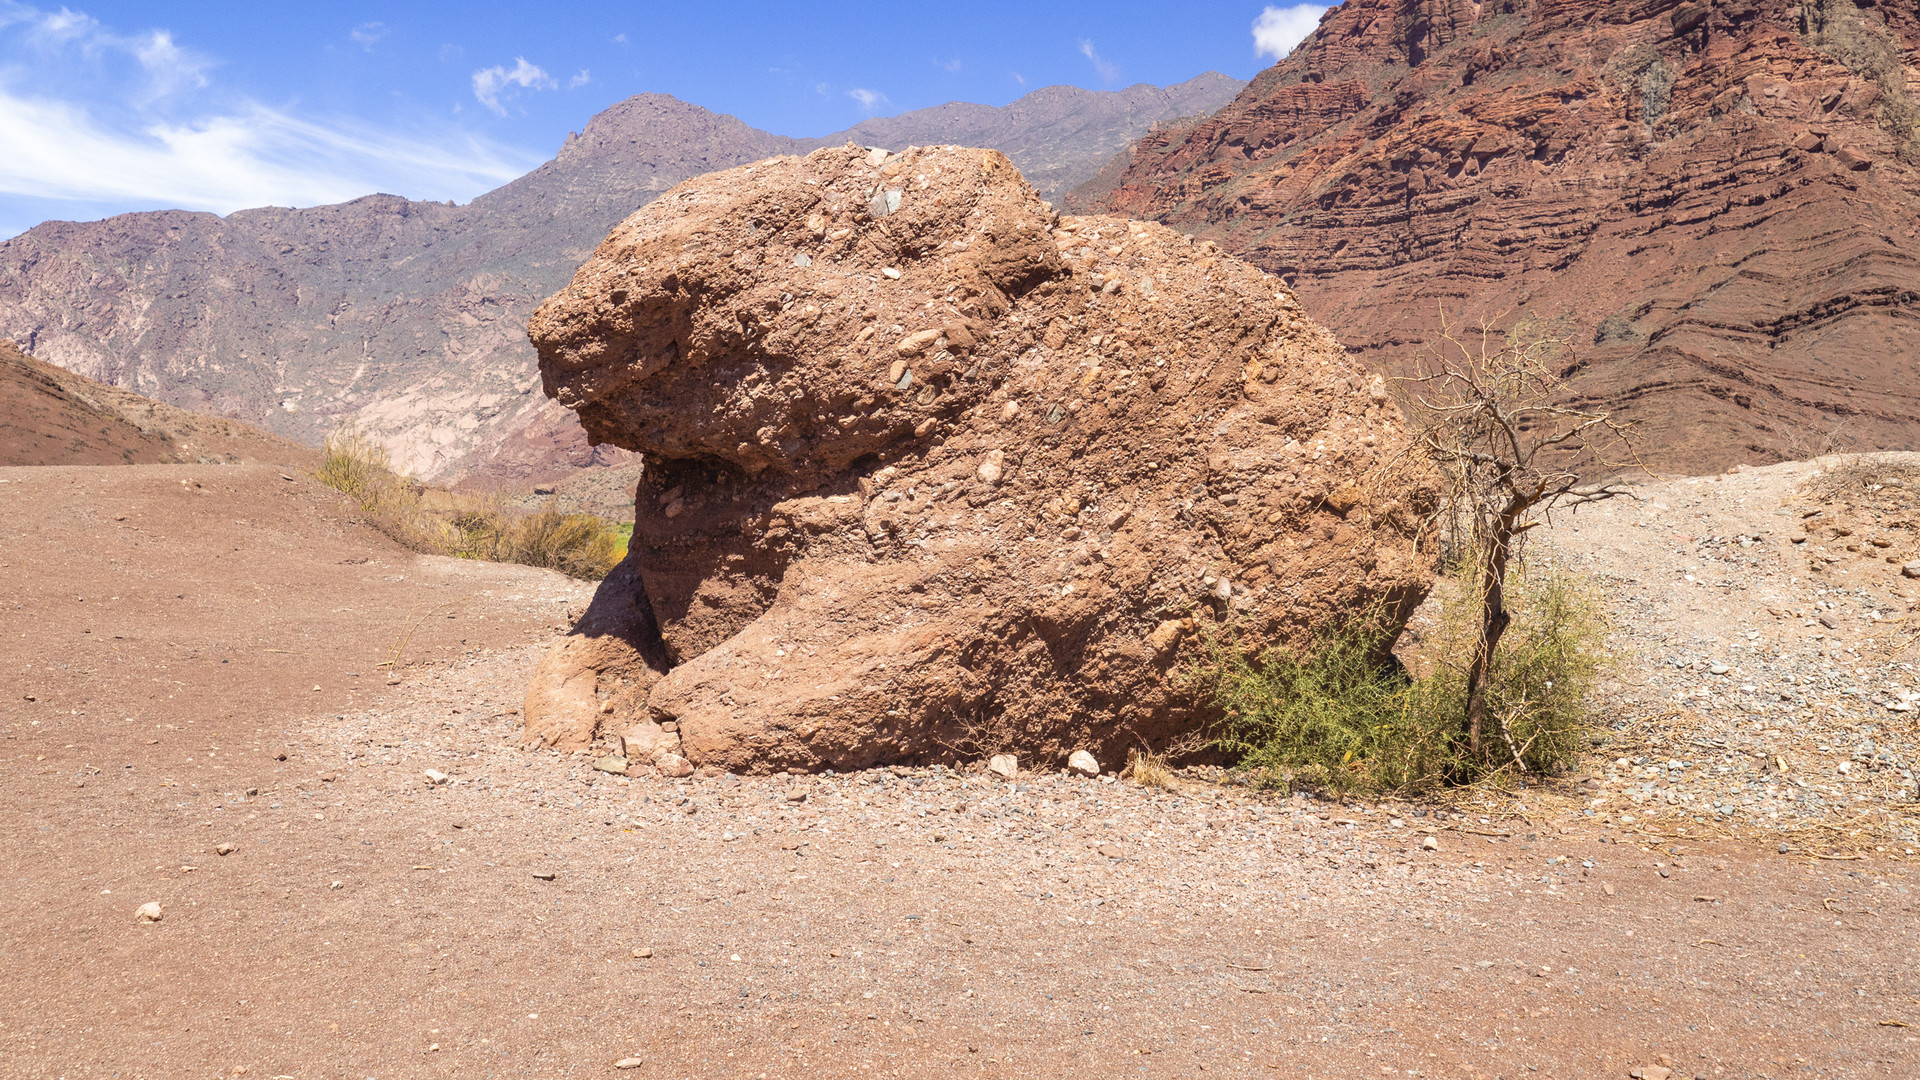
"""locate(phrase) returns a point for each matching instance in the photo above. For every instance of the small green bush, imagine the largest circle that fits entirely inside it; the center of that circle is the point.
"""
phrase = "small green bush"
(1344, 718)
(1614, 328)
(1543, 673)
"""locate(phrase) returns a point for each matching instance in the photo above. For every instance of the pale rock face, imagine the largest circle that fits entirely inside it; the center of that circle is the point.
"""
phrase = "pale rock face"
(645, 742)
(850, 550)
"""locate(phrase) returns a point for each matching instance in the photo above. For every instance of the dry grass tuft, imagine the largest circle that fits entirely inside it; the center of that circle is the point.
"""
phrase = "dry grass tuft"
(464, 526)
(1148, 770)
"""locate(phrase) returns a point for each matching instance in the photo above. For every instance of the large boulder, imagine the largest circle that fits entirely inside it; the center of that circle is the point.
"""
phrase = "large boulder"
(931, 472)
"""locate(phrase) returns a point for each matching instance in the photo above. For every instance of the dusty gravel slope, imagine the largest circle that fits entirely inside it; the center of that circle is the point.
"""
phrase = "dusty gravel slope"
(162, 645)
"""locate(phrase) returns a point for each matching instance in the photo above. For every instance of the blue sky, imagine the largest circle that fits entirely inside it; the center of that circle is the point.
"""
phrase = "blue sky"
(112, 106)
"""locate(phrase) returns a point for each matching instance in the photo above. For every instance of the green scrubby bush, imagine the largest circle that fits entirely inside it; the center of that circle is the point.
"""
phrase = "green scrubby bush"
(1614, 328)
(1339, 716)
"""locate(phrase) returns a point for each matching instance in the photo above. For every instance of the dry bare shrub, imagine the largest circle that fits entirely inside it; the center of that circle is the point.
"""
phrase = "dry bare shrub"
(1885, 482)
(1489, 408)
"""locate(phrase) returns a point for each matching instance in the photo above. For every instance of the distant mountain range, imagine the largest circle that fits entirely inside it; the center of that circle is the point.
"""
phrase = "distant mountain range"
(408, 318)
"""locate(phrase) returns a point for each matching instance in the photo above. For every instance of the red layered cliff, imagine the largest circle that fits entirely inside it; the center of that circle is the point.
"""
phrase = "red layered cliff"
(1721, 197)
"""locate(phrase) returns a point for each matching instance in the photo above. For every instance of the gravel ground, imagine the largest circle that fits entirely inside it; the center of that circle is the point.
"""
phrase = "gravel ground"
(528, 915)
(1764, 683)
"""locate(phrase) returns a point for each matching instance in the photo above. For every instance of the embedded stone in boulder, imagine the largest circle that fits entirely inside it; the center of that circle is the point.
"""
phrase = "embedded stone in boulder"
(967, 477)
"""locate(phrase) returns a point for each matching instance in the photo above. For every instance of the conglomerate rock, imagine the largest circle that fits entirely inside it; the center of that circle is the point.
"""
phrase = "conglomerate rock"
(921, 484)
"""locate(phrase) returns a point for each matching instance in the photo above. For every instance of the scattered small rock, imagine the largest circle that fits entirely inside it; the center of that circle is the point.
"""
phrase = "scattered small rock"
(628, 1063)
(643, 954)
(1083, 763)
(992, 467)
(544, 875)
(1111, 851)
(148, 912)
(223, 849)
(673, 765)
(612, 763)
(434, 777)
(1003, 765)
(1431, 843)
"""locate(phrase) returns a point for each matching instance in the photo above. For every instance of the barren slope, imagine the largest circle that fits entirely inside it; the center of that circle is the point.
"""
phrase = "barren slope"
(50, 416)
(1720, 197)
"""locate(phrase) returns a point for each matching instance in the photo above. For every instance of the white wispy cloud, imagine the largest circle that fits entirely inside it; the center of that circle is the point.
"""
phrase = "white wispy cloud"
(490, 83)
(1279, 29)
(165, 67)
(580, 80)
(254, 157)
(1109, 73)
(947, 65)
(367, 35)
(870, 100)
(98, 121)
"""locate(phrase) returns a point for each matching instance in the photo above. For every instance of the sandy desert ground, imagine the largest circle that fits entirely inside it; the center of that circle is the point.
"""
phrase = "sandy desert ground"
(193, 663)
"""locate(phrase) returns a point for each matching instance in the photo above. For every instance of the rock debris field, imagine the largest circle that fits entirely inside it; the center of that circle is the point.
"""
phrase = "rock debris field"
(359, 871)
(1767, 623)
